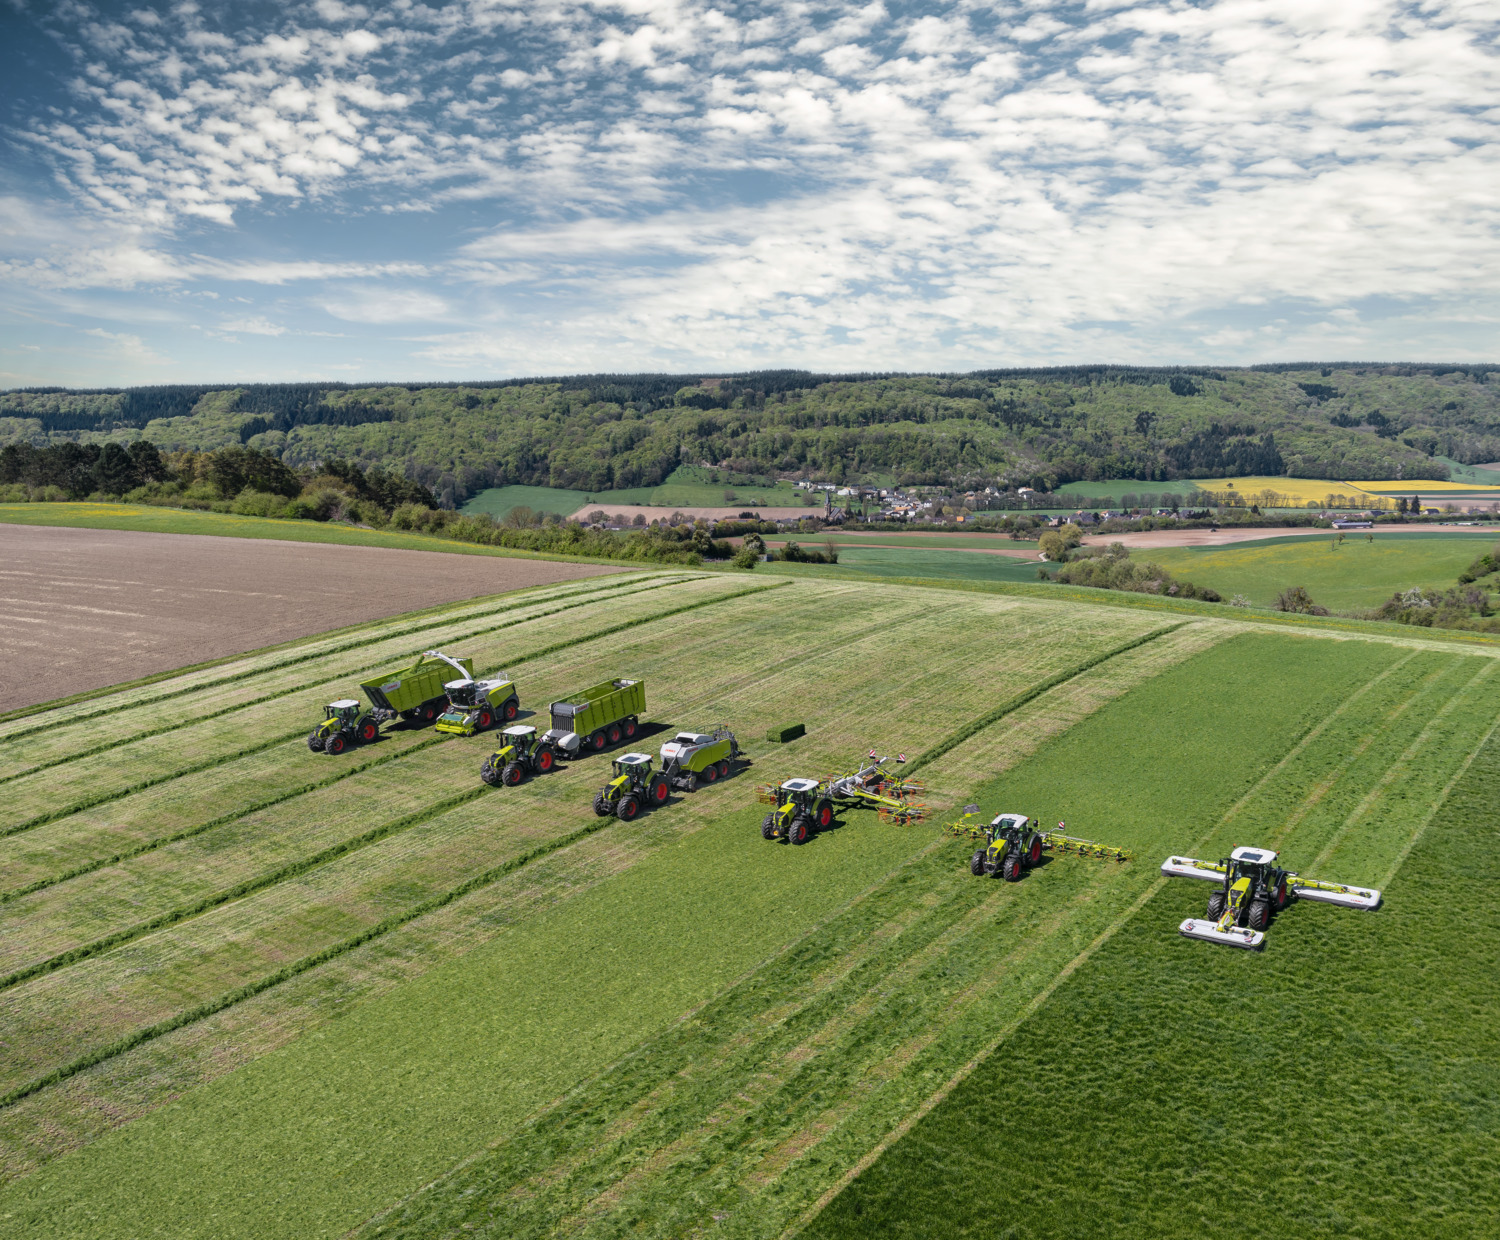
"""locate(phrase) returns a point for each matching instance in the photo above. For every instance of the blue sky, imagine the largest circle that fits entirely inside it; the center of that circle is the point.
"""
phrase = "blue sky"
(201, 191)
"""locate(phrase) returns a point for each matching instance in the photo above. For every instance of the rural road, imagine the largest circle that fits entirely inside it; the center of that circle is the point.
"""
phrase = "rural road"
(82, 609)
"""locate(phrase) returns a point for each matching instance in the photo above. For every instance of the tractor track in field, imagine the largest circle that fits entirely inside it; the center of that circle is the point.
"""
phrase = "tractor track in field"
(353, 644)
(119, 794)
(271, 697)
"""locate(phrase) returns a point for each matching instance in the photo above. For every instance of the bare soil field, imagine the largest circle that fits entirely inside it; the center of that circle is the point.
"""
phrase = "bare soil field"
(82, 609)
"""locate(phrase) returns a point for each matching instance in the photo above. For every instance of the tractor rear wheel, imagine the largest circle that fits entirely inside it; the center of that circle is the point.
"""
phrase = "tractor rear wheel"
(723, 768)
(976, 864)
(629, 728)
(1216, 906)
(709, 774)
(1034, 856)
(314, 741)
(510, 710)
(368, 730)
(823, 815)
(512, 774)
(1282, 898)
(489, 774)
(601, 805)
(628, 807)
(545, 759)
(768, 827)
(335, 743)
(596, 741)
(1013, 868)
(659, 790)
(799, 831)
(1260, 914)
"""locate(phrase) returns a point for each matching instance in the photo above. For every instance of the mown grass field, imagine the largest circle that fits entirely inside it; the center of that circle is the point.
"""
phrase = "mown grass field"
(933, 562)
(247, 990)
(1356, 574)
(687, 487)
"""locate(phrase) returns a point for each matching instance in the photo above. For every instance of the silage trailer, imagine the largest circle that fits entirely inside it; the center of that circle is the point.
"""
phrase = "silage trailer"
(601, 715)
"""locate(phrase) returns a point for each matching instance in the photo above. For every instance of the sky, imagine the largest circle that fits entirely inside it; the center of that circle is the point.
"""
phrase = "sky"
(205, 192)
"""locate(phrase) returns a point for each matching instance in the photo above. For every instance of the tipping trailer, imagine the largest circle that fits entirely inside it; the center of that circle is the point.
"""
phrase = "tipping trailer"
(1253, 887)
(602, 715)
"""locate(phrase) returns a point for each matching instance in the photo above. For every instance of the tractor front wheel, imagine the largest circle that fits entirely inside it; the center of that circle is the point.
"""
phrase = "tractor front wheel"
(314, 741)
(1013, 868)
(976, 864)
(512, 774)
(799, 831)
(1260, 914)
(545, 760)
(628, 807)
(602, 806)
(823, 815)
(768, 827)
(335, 743)
(489, 774)
(1216, 906)
(659, 790)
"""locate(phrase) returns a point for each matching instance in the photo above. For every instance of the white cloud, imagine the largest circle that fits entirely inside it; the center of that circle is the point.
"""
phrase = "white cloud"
(384, 305)
(256, 326)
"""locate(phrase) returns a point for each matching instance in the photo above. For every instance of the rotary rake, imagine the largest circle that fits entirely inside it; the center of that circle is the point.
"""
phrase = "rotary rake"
(875, 787)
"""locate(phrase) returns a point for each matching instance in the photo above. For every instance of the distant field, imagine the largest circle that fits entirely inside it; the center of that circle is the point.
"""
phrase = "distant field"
(1357, 574)
(915, 562)
(687, 487)
(1301, 490)
(248, 990)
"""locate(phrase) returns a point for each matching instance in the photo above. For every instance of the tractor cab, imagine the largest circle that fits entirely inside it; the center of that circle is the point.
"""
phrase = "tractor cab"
(346, 710)
(633, 765)
(461, 693)
(1007, 827)
(517, 738)
(1255, 864)
(800, 793)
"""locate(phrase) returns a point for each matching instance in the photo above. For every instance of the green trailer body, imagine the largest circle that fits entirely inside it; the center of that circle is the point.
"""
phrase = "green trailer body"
(603, 714)
(408, 689)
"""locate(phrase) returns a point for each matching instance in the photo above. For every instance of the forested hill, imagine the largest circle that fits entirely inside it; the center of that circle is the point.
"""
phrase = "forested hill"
(1038, 427)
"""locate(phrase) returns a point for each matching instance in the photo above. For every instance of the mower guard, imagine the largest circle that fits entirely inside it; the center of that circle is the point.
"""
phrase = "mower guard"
(1187, 867)
(1335, 893)
(1233, 936)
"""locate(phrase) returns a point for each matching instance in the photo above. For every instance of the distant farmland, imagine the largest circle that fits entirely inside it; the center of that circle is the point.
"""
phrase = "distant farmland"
(252, 990)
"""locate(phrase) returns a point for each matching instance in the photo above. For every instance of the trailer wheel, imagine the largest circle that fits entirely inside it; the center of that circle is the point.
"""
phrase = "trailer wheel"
(823, 815)
(630, 726)
(1216, 906)
(1260, 914)
(614, 734)
(596, 741)
(511, 709)
(314, 741)
(660, 790)
(601, 805)
(512, 774)
(545, 759)
(723, 768)
(628, 807)
(976, 864)
(1034, 856)
(798, 832)
(709, 774)
(335, 743)
(489, 774)
(768, 827)
(1013, 868)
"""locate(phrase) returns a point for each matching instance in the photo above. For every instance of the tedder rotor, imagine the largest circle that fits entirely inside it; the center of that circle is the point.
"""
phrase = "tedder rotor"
(1252, 889)
(1013, 843)
(874, 787)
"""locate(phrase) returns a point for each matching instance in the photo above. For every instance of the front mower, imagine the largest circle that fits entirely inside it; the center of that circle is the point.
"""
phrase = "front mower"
(635, 787)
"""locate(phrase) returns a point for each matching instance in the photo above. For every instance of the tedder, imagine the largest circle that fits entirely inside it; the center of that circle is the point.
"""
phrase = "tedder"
(475, 705)
(521, 751)
(634, 787)
(1013, 843)
(601, 715)
(693, 757)
(1252, 888)
(414, 693)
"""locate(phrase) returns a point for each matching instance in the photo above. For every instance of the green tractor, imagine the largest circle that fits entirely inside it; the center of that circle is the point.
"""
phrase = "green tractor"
(521, 751)
(1013, 844)
(344, 723)
(800, 808)
(634, 787)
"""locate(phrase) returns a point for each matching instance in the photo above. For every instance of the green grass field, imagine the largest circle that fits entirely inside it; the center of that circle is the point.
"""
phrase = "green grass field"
(249, 990)
(1355, 575)
(687, 487)
(935, 563)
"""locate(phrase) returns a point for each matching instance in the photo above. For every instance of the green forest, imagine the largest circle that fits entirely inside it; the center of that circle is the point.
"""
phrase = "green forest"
(598, 433)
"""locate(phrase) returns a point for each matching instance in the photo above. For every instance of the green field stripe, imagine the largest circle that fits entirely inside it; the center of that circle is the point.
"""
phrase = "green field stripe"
(1035, 691)
(227, 1000)
(292, 662)
(248, 887)
(281, 693)
(119, 794)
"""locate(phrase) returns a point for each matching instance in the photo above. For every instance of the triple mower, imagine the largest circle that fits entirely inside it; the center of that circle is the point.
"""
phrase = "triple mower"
(634, 787)
(522, 752)
(1014, 843)
(1252, 889)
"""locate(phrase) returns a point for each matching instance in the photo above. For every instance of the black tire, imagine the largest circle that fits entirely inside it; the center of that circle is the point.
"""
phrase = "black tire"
(629, 727)
(1282, 898)
(597, 741)
(628, 807)
(1216, 905)
(545, 760)
(1260, 914)
(1034, 855)
(314, 741)
(428, 711)
(614, 733)
(823, 815)
(723, 768)
(335, 743)
(800, 831)
(483, 721)
(513, 774)
(368, 730)
(976, 864)
(1013, 868)
(709, 774)
(489, 774)
(768, 827)
(659, 790)
(511, 709)
(602, 806)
